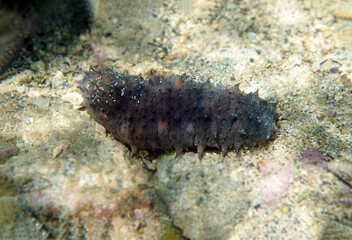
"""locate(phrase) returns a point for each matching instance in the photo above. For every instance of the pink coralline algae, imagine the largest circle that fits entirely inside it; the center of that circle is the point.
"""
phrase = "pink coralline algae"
(341, 169)
(275, 182)
(314, 156)
(100, 55)
(83, 213)
(7, 150)
(313, 160)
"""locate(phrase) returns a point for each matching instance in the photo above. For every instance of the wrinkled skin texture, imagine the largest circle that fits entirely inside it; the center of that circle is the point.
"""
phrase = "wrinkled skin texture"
(176, 113)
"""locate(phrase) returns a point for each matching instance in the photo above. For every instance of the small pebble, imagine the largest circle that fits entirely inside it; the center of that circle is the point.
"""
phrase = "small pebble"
(75, 99)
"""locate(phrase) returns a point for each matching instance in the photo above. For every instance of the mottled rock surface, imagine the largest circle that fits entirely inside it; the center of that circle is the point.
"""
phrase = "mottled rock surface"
(203, 198)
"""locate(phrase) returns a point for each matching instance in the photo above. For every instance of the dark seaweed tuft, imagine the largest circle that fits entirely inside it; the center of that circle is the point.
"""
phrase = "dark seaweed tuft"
(35, 29)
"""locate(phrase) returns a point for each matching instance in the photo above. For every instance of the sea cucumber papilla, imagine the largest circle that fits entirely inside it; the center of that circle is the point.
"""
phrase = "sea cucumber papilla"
(176, 112)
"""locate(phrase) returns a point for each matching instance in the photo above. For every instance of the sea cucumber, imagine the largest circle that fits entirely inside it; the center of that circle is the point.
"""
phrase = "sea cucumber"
(176, 112)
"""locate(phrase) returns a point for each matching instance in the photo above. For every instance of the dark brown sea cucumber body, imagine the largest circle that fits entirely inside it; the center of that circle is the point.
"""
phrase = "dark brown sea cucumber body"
(176, 112)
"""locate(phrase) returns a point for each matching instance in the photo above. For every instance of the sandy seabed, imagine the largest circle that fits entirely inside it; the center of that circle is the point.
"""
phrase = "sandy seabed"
(62, 176)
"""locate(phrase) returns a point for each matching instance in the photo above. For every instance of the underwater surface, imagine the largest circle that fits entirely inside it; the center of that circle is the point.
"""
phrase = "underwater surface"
(252, 142)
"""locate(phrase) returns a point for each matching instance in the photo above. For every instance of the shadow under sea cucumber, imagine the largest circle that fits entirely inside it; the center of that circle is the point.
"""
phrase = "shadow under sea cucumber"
(176, 113)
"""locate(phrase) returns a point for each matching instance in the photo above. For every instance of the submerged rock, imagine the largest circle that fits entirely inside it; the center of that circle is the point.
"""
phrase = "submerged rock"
(203, 200)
